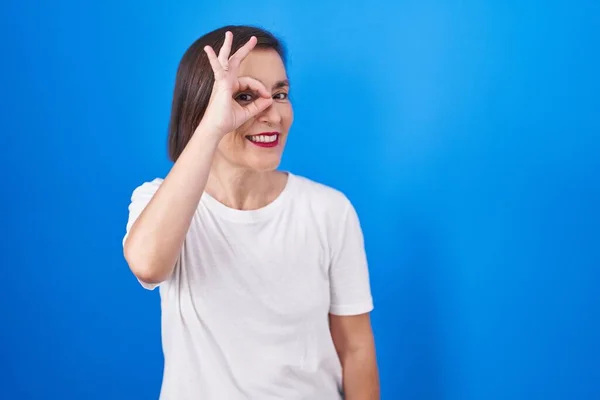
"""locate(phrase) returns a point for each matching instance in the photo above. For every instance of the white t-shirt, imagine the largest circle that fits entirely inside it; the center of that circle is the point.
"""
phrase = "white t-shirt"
(245, 311)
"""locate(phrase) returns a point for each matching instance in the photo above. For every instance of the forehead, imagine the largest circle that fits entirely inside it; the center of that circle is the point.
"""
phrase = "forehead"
(265, 65)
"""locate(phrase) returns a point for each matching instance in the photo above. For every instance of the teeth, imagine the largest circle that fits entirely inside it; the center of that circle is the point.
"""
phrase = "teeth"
(263, 138)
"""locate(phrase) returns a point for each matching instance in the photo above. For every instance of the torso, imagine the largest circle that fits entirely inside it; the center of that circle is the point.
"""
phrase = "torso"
(245, 313)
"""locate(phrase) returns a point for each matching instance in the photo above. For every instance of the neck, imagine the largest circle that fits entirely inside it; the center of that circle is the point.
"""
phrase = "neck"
(244, 189)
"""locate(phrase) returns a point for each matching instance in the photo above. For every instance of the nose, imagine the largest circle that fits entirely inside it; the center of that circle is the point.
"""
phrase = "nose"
(270, 116)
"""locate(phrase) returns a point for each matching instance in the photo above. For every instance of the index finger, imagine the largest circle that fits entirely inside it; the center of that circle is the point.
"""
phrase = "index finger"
(243, 51)
(247, 83)
(214, 62)
(226, 48)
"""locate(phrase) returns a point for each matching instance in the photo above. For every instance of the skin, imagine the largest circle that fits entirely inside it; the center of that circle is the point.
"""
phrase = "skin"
(243, 175)
(250, 96)
(355, 345)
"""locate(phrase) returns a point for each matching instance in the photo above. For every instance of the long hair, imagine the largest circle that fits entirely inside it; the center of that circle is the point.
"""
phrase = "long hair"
(195, 79)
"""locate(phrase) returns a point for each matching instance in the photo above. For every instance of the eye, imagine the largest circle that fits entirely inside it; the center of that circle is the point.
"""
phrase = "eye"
(281, 96)
(245, 97)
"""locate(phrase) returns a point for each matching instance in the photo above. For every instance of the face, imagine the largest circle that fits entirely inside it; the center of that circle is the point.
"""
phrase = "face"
(258, 144)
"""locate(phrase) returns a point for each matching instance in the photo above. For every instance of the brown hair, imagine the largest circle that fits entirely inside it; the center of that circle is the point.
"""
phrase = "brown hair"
(195, 79)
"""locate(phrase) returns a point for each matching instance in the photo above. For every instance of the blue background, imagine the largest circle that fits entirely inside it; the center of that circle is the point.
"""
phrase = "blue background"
(466, 133)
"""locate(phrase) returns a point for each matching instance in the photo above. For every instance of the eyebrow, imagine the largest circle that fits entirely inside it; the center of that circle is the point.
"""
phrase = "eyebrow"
(278, 85)
(281, 84)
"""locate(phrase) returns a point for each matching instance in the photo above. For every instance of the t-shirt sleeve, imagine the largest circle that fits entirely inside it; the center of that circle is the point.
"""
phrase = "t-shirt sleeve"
(140, 198)
(348, 273)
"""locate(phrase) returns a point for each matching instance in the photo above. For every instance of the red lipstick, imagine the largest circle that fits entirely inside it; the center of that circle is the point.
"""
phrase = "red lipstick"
(264, 139)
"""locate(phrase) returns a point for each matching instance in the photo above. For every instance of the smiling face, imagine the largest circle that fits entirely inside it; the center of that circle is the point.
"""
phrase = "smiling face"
(258, 144)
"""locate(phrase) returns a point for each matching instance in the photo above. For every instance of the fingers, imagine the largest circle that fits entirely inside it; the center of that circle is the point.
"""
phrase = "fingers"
(243, 51)
(225, 50)
(214, 62)
(258, 106)
(247, 83)
(260, 103)
(223, 63)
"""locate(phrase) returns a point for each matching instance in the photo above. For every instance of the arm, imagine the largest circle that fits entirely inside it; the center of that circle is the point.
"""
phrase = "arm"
(160, 224)
(349, 313)
(155, 239)
(355, 345)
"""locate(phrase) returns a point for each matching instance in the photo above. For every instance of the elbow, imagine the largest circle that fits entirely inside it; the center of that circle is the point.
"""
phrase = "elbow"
(143, 265)
(147, 275)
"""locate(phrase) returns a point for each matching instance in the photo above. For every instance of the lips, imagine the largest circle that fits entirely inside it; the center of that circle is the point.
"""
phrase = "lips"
(264, 139)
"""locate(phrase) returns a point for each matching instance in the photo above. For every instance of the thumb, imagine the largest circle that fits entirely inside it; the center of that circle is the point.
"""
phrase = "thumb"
(258, 106)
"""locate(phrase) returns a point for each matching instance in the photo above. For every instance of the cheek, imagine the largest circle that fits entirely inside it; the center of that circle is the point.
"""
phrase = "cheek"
(242, 131)
(287, 115)
(229, 142)
(233, 145)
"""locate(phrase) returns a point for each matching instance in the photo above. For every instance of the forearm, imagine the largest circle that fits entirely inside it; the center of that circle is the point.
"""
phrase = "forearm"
(360, 375)
(155, 239)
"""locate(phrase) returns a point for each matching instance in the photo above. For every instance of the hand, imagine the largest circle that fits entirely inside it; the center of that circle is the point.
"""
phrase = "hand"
(224, 114)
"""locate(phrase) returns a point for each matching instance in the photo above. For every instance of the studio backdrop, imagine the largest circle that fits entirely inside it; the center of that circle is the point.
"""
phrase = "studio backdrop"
(467, 134)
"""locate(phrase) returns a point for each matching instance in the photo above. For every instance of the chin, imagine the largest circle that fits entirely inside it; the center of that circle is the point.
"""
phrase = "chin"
(266, 164)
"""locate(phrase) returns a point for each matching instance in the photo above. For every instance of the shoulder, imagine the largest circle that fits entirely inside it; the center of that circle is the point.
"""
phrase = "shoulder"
(321, 196)
(142, 194)
(146, 189)
(331, 209)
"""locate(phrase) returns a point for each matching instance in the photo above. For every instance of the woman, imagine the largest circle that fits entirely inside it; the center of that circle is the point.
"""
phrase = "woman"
(263, 276)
